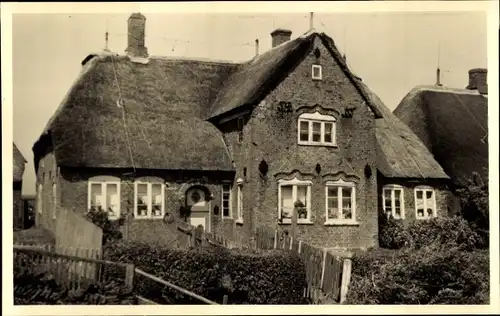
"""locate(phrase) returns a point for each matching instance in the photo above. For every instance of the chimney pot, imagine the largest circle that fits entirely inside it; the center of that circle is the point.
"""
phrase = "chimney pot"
(256, 47)
(136, 36)
(280, 36)
(478, 80)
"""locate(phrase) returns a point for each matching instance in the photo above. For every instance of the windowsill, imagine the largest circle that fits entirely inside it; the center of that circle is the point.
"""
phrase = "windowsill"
(302, 222)
(425, 218)
(317, 144)
(239, 221)
(342, 223)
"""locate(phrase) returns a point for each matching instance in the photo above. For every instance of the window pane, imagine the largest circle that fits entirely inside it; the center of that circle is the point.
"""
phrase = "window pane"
(333, 203)
(388, 201)
(346, 203)
(316, 132)
(304, 131)
(225, 200)
(430, 203)
(420, 194)
(156, 199)
(112, 199)
(142, 199)
(328, 132)
(96, 195)
(286, 202)
(302, 197)
(420, 204)
(397, 203)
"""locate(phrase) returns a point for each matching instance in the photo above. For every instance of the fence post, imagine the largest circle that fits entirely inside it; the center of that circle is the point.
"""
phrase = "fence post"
(300, 246)
(294, 223)
(129, 276)
(275, 239)
(224, 300)
(346, 278)
(323, 268)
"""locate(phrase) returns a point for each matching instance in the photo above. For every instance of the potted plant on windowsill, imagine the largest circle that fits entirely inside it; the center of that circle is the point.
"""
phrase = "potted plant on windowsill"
(301, 209)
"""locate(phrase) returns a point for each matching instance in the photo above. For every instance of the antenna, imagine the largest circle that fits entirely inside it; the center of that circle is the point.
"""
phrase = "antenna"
(106, 36)
(311, 20)
(345, 43)
(438, 70)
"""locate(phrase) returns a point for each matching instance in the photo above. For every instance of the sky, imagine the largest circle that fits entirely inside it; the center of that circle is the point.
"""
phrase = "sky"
(391, 52)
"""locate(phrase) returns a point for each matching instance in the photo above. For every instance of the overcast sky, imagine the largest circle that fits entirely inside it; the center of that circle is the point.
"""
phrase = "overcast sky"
(392, 52)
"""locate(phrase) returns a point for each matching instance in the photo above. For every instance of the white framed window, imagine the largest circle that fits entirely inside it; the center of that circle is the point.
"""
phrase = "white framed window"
(393, 201)
(104, 192)
(425, 202)
(317, 72)
(54, 200)
(226, 201)
(316, 129)
(149, 200)
(39, 200)
(291, 192)
(340, 201)
(239, 205)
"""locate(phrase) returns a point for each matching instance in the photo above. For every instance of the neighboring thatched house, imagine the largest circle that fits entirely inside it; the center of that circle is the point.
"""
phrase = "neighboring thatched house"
(453, 124)
(18, 165)
(236, 144)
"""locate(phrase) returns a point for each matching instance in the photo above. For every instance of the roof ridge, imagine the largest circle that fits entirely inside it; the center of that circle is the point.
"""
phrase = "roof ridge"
(419, 88)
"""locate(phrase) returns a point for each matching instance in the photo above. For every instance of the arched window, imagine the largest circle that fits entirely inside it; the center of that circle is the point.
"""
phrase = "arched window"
(316, 129)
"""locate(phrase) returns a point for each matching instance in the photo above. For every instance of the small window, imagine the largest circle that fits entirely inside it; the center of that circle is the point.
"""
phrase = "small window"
(340, 202)
(54, 198)
(239, 208)
(39, 203)
(317, 72)
(316, 129)
(240, 130)
(294, 193)
(149, 200)
(425, 203)
(226, 200)
(393, 201)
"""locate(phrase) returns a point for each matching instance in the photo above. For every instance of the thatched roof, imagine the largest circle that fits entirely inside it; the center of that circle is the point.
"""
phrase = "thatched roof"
(454, 125)
(401, 154)
(158, 125)
(257, 77)
(18, 164)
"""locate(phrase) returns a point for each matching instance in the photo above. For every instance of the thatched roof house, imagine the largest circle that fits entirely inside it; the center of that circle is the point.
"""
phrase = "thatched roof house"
(453, 124)
(18, 164)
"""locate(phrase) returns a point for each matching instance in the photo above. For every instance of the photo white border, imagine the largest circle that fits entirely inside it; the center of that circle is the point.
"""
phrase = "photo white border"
(7, 9)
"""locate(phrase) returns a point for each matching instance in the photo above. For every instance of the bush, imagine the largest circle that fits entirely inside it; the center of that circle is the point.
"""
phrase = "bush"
(110, 229)
(392, 233)
(431, 275)
(475, 208)
(453, 232)
(247, 277)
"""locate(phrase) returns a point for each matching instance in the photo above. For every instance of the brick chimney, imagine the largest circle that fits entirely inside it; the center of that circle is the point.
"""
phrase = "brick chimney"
(136, 36)
(478, 80)
(280, 36)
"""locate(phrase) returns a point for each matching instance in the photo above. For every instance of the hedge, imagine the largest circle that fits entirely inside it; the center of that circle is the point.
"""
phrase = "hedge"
(434, 274)
(247, 277)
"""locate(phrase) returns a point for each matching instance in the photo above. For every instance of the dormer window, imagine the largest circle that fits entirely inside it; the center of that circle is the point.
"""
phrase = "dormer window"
(316, 129)
(317, 72)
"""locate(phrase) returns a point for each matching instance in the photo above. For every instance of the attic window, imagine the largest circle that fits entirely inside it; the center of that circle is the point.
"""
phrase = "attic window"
(317, 73)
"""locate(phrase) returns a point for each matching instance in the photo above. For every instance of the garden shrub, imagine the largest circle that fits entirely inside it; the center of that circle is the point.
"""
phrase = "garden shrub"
(110, 229)
(392, 233)
(453, 232)
(247, 277)
(430, 275)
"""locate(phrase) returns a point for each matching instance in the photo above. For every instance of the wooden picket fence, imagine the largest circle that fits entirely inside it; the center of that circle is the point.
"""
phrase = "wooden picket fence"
(71, 267)
(325, 272)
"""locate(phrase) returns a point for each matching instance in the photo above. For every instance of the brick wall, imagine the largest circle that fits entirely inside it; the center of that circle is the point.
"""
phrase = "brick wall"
(272, 137)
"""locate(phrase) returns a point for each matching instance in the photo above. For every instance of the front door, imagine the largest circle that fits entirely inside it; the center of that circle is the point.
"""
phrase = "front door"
(200, 208)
